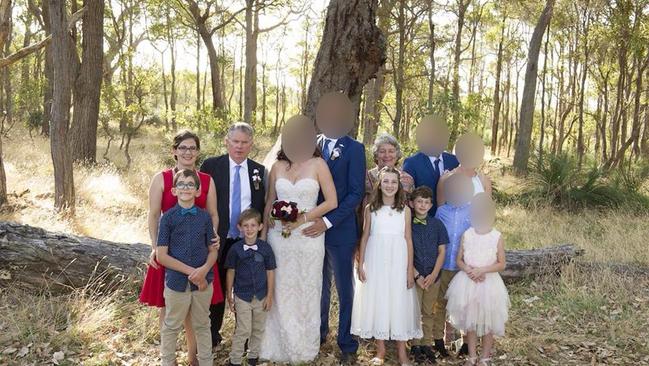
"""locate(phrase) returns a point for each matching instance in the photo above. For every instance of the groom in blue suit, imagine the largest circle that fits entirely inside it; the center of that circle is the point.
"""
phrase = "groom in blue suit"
(346, 160)
(430, 163)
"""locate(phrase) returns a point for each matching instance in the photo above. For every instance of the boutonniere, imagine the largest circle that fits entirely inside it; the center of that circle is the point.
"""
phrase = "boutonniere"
(335, 154)
(256, 179)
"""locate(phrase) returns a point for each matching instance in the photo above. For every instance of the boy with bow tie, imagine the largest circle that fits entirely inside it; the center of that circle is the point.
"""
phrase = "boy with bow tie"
(184, 249)
(250, 286)
(429, 239)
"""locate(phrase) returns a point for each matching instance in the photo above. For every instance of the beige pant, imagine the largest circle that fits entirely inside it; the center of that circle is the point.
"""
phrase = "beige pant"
(178, 304)
(439, 310)
(427, 300)
(251, 322)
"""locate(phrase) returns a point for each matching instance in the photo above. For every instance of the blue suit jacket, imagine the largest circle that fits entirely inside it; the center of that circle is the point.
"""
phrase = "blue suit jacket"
(348, 171)
(421, 170)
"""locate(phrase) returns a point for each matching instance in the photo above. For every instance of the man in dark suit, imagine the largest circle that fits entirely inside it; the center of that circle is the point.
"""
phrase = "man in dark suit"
(240, 184)
(430, 163)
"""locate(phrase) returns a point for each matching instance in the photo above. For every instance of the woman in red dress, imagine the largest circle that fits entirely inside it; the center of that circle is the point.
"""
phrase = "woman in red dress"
(186, 147)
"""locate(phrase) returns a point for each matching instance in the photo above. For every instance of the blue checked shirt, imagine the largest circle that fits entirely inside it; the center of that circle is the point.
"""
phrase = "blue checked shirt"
(188, 237)
(457, 220)
(250, 268)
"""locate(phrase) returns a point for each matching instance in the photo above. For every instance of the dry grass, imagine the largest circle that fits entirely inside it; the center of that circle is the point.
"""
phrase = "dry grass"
(582, 317)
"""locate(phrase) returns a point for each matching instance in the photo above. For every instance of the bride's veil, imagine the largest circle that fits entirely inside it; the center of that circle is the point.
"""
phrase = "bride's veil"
(271, 156)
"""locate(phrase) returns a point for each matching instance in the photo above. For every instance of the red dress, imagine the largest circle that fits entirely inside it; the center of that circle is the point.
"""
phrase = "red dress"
(154, 281)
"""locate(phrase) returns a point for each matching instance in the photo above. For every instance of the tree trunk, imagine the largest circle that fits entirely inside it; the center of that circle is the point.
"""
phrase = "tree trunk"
(582, 90)
(398, 71)
(351, 51)
(87, 87)
(304, 70)
(496, 116)
(263, 94)
(60, 262)
(250, 84)
(62, 54)
(5, 28)
(457, 53)
(526, 119)
(545, 69)
(372, 109)
(431, 57)
(198, 72)
(49, 74)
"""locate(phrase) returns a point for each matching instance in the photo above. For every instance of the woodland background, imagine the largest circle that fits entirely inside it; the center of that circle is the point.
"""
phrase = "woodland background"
(91, 92)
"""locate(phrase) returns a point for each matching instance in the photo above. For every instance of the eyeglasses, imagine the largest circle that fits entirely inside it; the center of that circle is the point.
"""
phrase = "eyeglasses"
(183, 185)
(184, 149)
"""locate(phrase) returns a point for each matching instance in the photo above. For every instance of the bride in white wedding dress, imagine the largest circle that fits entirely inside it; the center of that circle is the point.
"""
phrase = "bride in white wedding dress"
(293, 324)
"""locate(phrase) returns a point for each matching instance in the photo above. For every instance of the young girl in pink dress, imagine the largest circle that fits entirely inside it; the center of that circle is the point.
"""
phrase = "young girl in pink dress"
(478, 302)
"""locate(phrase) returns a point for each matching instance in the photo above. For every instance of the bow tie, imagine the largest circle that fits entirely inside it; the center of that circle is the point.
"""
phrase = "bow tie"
(190, 211)
(419, 221)
(248, 247)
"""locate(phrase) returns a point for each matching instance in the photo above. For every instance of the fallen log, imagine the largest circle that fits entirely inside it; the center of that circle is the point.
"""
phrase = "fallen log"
(37, 258)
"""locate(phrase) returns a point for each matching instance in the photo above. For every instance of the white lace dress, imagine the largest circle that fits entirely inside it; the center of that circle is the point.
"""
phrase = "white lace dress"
(479, 306)
(384, 307)
(293, 324)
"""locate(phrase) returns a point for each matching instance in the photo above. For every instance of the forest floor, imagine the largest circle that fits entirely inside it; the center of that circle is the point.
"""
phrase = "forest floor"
(584, 316)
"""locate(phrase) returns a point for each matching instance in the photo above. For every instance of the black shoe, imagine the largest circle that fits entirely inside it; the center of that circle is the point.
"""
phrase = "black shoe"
(417, 353)
(253, 361)
(348, 358)
(464, 350)
(440, 348)
(428, 353)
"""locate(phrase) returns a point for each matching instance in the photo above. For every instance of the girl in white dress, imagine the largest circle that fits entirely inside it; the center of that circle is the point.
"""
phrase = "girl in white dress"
(385, 302)
(478, 302)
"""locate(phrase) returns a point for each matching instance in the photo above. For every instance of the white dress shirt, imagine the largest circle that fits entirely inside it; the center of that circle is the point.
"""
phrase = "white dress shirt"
(440, 162)
(246, 195)
(332, 143)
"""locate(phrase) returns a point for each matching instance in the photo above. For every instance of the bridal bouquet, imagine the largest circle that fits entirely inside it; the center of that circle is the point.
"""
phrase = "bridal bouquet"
(285, 212)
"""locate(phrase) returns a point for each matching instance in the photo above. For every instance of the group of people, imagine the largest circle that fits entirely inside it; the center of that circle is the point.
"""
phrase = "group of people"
(412, 252)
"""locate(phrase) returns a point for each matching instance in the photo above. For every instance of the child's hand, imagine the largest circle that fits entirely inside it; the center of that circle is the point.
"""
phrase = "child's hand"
(231, 304)
(267, 303)
(428, 280)
(420, 283)
(152, 258)
(198, 274)
(202, 285)
(361, 272)
(411, 277)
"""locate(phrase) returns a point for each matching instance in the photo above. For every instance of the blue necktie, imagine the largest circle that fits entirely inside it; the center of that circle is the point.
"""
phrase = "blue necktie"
(436, 167)
(188, 211)
(236, 204)
(325, 149)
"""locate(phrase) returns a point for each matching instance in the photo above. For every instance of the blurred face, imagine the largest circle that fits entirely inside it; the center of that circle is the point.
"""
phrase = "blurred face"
(186, 153)
(483, 212)
(458, 189)
(432, 135)
(389, 184)
(250, 228)
(470, 150)
(334, 115)
(386, 155)
(186, 189)
(238, 144)
(299, 139)
(422, 206)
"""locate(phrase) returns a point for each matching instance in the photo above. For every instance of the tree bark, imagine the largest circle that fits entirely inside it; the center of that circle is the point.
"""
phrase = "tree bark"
(524, 135)
(351, 51)
(250, 83)
(499, 62)
(457, 53)
(372, 108)
(87, 87)
(49, 74)
(36, 258)
(431, 57)
(62, 54)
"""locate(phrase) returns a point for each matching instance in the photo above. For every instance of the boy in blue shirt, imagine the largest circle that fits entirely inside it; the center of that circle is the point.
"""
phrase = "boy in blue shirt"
(250, 267)
(429, 239)
(455, 215)
(184, 249)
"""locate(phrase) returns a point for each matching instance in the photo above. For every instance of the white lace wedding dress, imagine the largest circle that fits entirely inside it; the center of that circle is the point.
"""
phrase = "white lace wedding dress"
(293, 324)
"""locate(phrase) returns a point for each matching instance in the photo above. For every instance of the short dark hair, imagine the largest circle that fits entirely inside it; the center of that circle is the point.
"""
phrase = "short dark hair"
(187, 173)
(184, 135)
(248, 214)
(421, 191)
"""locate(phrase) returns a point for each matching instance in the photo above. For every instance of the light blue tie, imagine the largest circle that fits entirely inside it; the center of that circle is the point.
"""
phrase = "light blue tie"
(325, 149)
(236, 204)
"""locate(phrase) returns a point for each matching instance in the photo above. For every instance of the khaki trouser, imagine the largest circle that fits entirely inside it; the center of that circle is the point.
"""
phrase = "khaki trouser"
(439, 310)
(427, 300)
(251, 322)
(178, 304)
